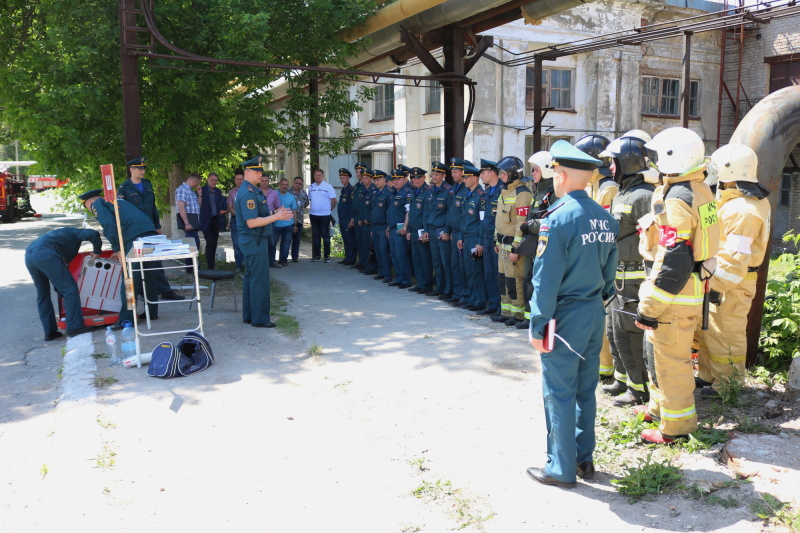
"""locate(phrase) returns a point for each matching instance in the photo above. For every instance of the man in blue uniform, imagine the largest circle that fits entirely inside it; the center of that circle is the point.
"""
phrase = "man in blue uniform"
(255, 232)
(397, 218)
(420, 248)
(576, 259)
(135, 224)
(46, 259)
(490, 175)
(379, 204)
(438, 234)
(470, 244)
(367, 197)
(344, 210)
(457, 194)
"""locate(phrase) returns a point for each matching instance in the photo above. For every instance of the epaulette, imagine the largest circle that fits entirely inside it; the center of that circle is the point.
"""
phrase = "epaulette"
(446, 186)
(481, 192)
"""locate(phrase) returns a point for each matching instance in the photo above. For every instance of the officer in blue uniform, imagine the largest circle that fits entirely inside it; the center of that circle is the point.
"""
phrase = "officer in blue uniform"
(378, 224)
(397, 218)
(420, 248)
(135, 224)
(470, 243)
(344, 210)
(46, 259)
(371, 265)
(490, 175)
(457, 194)
(255, 231)
(438, 234)
(576, 261)
(358, 230)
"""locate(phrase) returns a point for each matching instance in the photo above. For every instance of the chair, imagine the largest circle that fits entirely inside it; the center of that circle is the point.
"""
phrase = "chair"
(218, 275)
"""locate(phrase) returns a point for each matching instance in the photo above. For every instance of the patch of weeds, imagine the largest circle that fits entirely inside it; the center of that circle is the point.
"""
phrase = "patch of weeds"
(63, 351)
(706, 496)
(730, 389)
(100, 355)
(43, 471)
(426, 337)
(705, 437)
(315, 350)
(344, 383)
(627, 432)
(771, 510)
(60, 372)
(106, 424)
(101, 382)
(106, 491)
(418, 464)
(105, 459)
(769, 378)
(433, 491)
(279, 297)
(745, 425)
(288, 325)
(409, 528)
(462, 509)
(648, 478)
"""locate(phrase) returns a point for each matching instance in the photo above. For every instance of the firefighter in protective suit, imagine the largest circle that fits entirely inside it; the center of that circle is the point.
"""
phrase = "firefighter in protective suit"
(512, 208)
(602, 189)
(744, 214)
(542, 171)
(628, 156)
(671, 297)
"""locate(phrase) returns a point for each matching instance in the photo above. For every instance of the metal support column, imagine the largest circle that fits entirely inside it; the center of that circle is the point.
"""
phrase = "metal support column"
(454, 130)
(313, 137)
(537, 105)
(131, 118)
(686, 82)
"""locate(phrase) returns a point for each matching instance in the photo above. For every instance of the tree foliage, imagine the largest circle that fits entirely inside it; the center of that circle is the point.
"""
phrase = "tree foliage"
(60, 90)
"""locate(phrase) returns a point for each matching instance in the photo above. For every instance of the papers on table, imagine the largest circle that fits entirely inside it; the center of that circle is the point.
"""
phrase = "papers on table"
(161, 245)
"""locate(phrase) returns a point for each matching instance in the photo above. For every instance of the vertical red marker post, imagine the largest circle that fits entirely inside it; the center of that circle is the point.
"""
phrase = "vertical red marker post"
(110, 195)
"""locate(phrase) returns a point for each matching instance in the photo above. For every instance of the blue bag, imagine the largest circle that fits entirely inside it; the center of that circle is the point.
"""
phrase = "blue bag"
(192, 355)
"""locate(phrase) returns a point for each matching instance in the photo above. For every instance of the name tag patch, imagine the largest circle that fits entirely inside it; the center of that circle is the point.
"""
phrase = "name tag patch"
(708, 214)
(667, 236)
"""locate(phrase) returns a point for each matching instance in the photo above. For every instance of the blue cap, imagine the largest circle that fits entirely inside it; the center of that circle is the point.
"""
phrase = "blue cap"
(361, 166)
(438, 166)
(366, 171)
(457, 162)
(489, 165)
(398, 173)
(138, 162)
(379, 174)
(470, 170)
(566, 155)
(417, 172)
(345, 172)
(254, 164)
(404, 168)
(88, 195)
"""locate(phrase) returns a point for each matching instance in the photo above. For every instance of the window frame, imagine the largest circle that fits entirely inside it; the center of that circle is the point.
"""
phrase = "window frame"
(435, 89)
(437, 156)
(660, 107)
(547, 87)
(384, 97)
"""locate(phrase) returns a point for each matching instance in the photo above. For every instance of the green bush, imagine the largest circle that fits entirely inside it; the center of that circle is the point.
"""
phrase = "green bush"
(780, 326)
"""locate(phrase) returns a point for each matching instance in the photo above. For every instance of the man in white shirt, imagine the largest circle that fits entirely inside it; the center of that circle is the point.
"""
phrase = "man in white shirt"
(322, 198)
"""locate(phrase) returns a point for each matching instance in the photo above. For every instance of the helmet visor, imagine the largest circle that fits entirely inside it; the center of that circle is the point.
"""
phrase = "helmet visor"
(652, 158)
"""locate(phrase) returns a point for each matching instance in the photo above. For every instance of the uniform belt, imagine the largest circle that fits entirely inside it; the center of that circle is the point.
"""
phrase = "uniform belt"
(629, 265)
(505, 239)
(752, 269)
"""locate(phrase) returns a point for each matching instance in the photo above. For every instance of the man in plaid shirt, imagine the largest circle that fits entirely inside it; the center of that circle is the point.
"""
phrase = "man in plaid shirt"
(188, 202)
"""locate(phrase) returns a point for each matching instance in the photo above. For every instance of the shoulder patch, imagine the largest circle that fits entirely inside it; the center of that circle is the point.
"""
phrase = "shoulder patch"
(251, 204)
(682, 191)
(542, 246)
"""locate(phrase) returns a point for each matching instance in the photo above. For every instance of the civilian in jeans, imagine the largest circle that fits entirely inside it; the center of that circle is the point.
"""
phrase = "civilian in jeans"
(212, 216)
(322, 197)
(238, 256)
(273, 202)
(299, 216)
(188, 202)
(283, 228)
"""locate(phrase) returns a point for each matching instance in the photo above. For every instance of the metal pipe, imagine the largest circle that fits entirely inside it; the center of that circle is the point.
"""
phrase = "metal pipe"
(772, 129)
(385, 17)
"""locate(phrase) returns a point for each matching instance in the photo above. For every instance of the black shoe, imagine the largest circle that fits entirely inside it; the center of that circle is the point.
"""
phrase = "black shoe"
(247, 321)
(477, 309)
(327, 260)
(615, 389)
(415, 289)
(511, 322)
(393, 283)
(700, 383)
(171, 295)
(385, 280)
(542, 477)
(53, 336)
(76, 332)
(404, 286)
(283, 263)
(267, 325)
(522, 324)
(435, 294)
(379, 276)
(342, 262)
(707, 392)
(631, 398)
(489, 311)
(585, 470)
(465, 305)
(314, 259)
(445, 297)
(295, 260)
(142, 316)
(498, 318)
(274, 265)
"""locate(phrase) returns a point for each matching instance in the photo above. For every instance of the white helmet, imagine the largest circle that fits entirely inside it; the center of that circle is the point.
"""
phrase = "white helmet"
(639, 134)
(544, 161)
(677, 151)
(736, 162)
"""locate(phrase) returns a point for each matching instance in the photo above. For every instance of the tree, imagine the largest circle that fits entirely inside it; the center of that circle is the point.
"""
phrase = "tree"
(61, 96)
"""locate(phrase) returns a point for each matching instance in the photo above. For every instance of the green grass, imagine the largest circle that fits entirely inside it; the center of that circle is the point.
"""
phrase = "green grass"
(772, 510)
(648, 479)
(315, 350)
(101, 382)
(745, 425)
(279, 302)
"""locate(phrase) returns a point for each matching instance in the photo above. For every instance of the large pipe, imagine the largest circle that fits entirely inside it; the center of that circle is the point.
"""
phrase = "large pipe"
(400, 10)
(772, 130)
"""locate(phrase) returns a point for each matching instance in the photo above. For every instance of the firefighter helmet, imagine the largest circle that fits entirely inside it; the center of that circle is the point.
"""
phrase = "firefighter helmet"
(736, 162)
(629, 153)
(544, 161)
(512, 166)
(677, 151)
(639, 134)
(593, 145)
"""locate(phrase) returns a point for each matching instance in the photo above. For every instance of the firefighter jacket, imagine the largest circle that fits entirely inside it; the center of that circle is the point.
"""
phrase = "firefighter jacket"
(544, 197)
(686, 214)
(512, 210)
(627, 207)
(379, 205)
(744, 213)
(603, 191)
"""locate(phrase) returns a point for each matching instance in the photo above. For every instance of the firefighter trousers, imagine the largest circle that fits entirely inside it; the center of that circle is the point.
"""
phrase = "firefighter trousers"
(723, 347)
(672, 391)
(628, 340)
(509, 283)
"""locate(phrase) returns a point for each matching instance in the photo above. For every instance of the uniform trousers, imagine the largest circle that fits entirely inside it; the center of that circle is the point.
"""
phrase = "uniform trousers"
(509, 284)
(490, 272)
(238, 256)
(46, 266)
(440, 253)
(399, 249)
(568, 387)
(255, 282)
(423, 263)
(626, 339)
(723, 347)
(152, 269)
(457, 273)
(475, 279)
(380, 242)
(672, 390)
(363, 243)
(348, 240)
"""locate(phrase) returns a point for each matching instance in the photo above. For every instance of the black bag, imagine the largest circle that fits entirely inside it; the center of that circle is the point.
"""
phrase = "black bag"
(194, 220)
(192, 355)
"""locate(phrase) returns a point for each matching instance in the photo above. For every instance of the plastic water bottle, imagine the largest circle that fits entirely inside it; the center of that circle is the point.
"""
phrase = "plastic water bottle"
(128, 340)
(113, 346)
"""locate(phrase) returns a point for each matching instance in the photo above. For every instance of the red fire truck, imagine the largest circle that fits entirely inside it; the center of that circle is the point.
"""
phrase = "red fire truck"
(14, 199)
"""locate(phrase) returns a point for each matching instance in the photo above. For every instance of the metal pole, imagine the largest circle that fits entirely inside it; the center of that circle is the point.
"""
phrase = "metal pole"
(454, 130)
(686, 81)
(537, 104)
(131, 118)
(16, 155)
(313, 138)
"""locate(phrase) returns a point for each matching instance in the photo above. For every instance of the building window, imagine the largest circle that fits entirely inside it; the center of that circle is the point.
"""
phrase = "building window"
(556, 88)
(547, 142)
(384, 102)
(436, 149)
(662, 96)
(433, 101)
(786, 189)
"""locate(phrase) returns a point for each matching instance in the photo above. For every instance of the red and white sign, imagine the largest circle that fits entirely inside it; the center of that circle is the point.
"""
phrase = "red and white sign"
(522, 211)
(109, 188)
